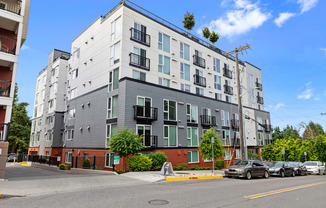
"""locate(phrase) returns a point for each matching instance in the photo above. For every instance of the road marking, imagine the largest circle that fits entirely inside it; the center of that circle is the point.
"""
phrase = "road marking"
(192, 178)
(255, 196)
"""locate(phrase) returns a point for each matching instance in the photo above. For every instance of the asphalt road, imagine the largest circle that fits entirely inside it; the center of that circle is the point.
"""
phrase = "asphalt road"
(300, 191)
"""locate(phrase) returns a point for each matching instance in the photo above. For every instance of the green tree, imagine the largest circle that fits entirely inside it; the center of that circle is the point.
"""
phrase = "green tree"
(290, 131)
(20, 125)
(126, 143)
(214, 37)
(205, 145)
(312, 130)
(189, 21)
(277, 134)
(206, 32)
(320, 148)
(268, 153)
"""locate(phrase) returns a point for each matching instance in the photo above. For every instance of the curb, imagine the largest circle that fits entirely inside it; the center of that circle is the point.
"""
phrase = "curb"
(2, 196)
(193, 178)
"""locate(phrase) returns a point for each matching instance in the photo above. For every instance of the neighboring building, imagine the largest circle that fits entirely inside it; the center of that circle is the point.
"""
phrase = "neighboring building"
(13, 30)
(133, 69)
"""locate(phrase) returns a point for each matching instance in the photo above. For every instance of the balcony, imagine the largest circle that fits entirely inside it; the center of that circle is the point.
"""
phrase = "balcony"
(140, 37)
(150, 141)
(139, 61)
(142, 113)
(5, 87)
(7, 44)
(199, 80)
(198, 61)
(4, 132)
(268, 128)
(227, 73)
(259, 86)
(228, 89)
(260, 100)
(13, 6)
(235, 124)
(208, 121)
(236, 140)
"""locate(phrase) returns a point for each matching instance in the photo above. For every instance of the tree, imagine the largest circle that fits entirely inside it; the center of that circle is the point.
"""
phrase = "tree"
(205, 145)
(320, 148)
(312, 130)
(214, 37)
(189, 21)
(277, 134)
(20, 125)
(290, 131)
(268, 153)
(206, 32)
(126, 143)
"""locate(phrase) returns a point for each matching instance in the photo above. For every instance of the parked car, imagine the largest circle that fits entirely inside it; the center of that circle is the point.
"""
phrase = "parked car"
(280, 168)
(11, 157)
(299, 168)
(247, 169)
(315, 167)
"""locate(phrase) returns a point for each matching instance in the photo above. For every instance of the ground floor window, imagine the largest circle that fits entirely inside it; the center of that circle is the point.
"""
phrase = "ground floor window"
(192, 137)
(193, 157)
(109, 158)
(68, 157)
(47, 153)
(111, 130)
(237, 154)
(170, 136)
(261, 139)
(227, 155)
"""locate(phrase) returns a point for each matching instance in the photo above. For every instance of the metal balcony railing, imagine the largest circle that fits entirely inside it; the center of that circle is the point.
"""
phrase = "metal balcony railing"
(4, 131)
(13, 6)
(145, 113)
(235, 124)
(227, 73)
(199, 80)
(7, 44)
(268, 128)
(208, 121)
(259, 86)
(228, 89)
(5, 87)
(150, 141)
(140, 37)
(260, 100)
(236, 140)
(198, 61)
(139, 61)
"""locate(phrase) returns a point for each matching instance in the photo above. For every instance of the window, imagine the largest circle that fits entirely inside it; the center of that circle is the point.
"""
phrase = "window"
(185, 71)
(55, 86)
(35, 112)
(146, 130)
(68, 157)
(51, 103)
(53, 71)
(111, 130)
(109, 159)
(218, 96)
(216, 65)
(225, 118)
(164, 82)
(170, 136)
(185, 87)
(199, 91)
(164, 42)
(226, 138)
(36, 98)
(76, 53)
(39, 122)
(140, 32)
(251, 80)
(41, 109)
(193, 157)
(115, 28)
(170, 110)
(115, 53)
(38, 137)
(44, 80)
(74, 74)
(228, 99)
(184, 51)
(43, 94)
(192, 137)
(113, 107)
(260, 121)
(237, 154)
(114, 79)
(217, 82)
(38, 84)
(252, 95)
(192, 113)
(227, 155)
(72, 113)
(163, 64)
(260, 139)
(49, 120)
(70, 134)
(73, 93)
(138, 75)
(49, 137)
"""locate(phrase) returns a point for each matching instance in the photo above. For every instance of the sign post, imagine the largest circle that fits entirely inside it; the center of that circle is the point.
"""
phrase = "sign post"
(116, 159)
(283, 152)
(213, 153)
(305, 156)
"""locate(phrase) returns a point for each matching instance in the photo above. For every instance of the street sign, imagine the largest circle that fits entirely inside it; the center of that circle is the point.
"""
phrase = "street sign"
(212, 140)
(116, 159)
(305, 153)
(58, 158)
(283, 151)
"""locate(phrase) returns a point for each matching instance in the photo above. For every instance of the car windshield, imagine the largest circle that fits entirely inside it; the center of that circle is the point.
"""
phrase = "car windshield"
(310, 164)
(294, 164)
(243, 163)
(275, 164)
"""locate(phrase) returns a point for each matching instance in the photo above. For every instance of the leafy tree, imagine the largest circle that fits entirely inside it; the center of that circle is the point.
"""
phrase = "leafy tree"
(312, 130)
(277, 134)
(126, 143)
(268, 153)
(189, 21)
(20, 125)
(290, 131)
(206, 32)
(205, 145)
(214, 37)
(320, 148)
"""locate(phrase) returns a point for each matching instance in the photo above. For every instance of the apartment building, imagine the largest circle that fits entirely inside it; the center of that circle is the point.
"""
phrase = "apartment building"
(131, 68)
(13, 30)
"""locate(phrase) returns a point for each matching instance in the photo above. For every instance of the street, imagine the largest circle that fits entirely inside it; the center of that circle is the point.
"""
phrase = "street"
(300, 191)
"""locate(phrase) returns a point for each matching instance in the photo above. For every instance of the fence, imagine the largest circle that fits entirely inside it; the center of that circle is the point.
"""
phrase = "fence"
(50, 160)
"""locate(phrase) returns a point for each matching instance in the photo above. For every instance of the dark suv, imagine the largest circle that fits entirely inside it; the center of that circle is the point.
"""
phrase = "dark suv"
(247, 169)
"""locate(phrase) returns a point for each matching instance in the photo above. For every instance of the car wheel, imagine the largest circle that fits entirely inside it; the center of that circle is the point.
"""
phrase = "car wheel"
(248, 175)
(299, 172)
(282, 173)
(266, 175)
(293, 173)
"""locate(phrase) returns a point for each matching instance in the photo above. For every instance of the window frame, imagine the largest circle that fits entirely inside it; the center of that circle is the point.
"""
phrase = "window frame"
(168, 111)
(191, 156)
(168, 137)
(67, 158)
(111, 156)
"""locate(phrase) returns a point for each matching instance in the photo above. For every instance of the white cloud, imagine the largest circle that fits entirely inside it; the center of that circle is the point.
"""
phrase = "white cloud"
(244, 17)
(283, 17)
(24, 47)
(317, 98)
(306, 95)
(306, 5)
(279, 105)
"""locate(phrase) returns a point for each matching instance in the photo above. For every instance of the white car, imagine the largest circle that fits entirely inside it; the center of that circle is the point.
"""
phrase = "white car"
(315, 167)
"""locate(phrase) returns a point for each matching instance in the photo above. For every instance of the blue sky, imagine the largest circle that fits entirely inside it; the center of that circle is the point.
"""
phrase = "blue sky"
(287, 38)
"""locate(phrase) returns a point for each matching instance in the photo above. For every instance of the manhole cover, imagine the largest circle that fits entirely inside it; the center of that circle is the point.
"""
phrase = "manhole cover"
(158, 202)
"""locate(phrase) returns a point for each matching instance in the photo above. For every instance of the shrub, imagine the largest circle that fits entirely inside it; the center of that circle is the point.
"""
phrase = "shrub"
(183, 166)
(158, 159)
(119, 171)
(220, 164)
(139, 163)
(205, 168)
(86, 164)
(68, 167)
(194, 167)
(62, 167)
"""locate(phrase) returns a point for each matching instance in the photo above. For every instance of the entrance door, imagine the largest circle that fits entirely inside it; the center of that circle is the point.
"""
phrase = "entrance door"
(144, 107)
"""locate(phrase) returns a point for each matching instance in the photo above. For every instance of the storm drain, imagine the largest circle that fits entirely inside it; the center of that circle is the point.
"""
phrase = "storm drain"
(158, 202)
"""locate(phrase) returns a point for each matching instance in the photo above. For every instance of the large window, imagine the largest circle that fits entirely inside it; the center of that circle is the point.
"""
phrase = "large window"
(216, 65)
(76, 53)
(170, 136)
(227, 155)
(164, 82)
(217, 82)
(170, 110)
(73, 93)
(185, 71)
(68, 157)
(115, 53)
(184, 51)
(199, 91)
(72, 113)
(237, 154)
(226, 137)
(145, 131)
(115, 28)
(51, 103)
(251, 80)
(185, 87)
(70, 134)
(192, 113)
(164, 42)
(114, 79)
(225, 118)
(138, 75)
(192, 137)
(111, 130)
(193, 157)
(259, 121)
(109, 159)
(113, 107)
(163, 64)
(74, 74)
(260, 139)
(218, 96)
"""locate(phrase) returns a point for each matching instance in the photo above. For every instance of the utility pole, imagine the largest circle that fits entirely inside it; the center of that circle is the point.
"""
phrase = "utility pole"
(236, 51)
